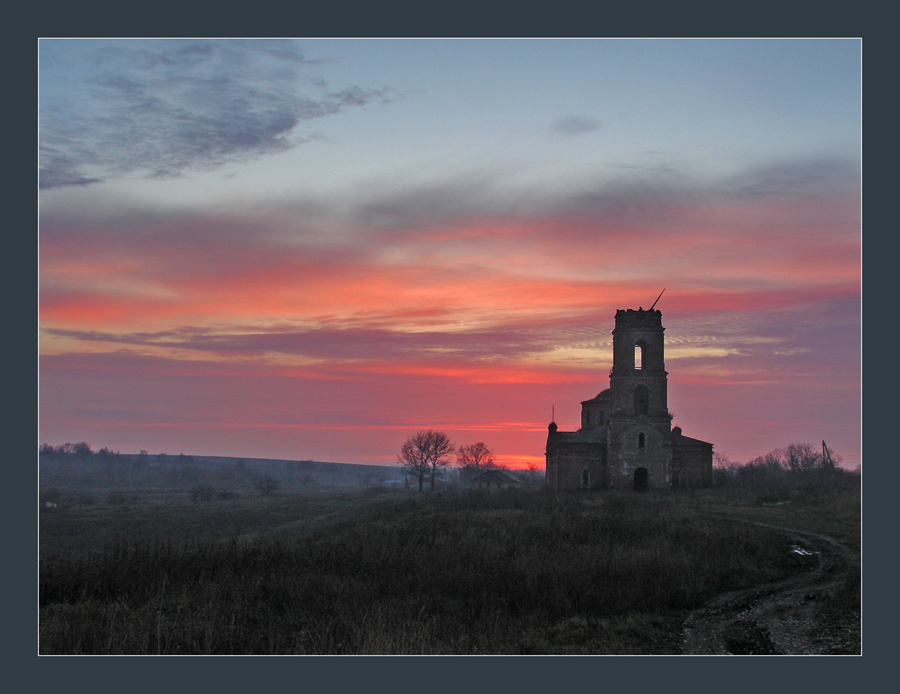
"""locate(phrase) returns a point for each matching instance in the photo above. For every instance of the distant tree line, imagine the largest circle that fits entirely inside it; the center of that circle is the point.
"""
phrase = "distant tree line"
(797, 462)
(77, 464)
(82, 451)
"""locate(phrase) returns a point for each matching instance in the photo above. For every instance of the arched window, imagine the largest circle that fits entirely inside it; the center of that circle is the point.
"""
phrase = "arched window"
(586, 478)
(639, 355)
(641, 400)
(641, 440)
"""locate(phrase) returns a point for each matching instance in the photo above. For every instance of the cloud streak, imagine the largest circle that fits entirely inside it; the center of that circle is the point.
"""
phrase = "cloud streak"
(444, 261)
(576, 125)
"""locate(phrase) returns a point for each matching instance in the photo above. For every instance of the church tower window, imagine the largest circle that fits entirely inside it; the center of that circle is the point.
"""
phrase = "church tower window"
(641, 400)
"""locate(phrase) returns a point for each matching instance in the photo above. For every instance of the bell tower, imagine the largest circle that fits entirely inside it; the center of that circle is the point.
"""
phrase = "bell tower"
(639, 442)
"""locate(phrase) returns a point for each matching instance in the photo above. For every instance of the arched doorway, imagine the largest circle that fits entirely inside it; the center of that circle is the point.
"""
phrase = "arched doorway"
(641, 479)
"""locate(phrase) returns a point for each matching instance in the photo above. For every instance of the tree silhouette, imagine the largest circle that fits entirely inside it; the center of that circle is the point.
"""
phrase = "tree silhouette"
(802, 458)
(424, 454)
(476, 457)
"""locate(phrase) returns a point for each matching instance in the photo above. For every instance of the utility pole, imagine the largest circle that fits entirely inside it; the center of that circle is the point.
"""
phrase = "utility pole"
(827, 460)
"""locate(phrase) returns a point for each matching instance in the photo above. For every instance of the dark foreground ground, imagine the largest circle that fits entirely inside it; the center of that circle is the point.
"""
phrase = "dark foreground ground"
(378, 571)
(812, 612)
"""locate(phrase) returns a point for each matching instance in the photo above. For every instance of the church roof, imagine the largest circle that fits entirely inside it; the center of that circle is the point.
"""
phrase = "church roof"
(595, 435)
(495, 475)
(683, 440)
(602, 395)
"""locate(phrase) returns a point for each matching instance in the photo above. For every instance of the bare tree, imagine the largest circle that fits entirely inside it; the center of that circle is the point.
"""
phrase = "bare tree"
(724, 470)
(79, 450)
(475, 457)
(424, 454)
(798, 460)
(802, 458)
(768, 466)
(534, 477)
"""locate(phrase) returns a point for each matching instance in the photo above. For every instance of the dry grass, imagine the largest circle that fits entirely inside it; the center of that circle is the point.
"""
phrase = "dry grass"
(378, 572)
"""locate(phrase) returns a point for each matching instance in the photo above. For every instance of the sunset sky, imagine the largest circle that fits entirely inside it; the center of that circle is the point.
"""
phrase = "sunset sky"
(312, 249)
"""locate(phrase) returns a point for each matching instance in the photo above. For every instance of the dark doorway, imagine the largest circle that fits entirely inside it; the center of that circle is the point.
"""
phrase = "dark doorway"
(640, 479)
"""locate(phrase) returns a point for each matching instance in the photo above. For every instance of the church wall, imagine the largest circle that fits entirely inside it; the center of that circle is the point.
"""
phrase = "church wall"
(567, 460)
(593, 415)
(696, 461)
(626, 455)
(623, 389)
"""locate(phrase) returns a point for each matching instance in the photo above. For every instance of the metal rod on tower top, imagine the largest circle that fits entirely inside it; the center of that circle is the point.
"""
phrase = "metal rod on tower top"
(657, 298)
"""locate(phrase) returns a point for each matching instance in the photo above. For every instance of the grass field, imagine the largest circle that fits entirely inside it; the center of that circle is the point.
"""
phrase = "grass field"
(379, 572)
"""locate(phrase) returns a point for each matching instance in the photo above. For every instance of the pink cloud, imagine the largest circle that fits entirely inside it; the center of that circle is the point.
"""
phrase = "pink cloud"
(478, 323)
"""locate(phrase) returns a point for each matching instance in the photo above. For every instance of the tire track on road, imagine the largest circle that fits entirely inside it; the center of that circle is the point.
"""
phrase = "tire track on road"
(781, 617)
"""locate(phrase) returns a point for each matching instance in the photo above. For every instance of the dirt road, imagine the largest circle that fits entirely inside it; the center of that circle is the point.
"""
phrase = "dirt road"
(807, 613)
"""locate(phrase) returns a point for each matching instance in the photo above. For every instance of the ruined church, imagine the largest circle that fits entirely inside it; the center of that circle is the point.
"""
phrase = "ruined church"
(626, 439)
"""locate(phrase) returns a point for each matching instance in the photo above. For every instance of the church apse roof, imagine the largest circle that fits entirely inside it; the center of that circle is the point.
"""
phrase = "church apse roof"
(595, 435)
(602, 395)
(679, 439)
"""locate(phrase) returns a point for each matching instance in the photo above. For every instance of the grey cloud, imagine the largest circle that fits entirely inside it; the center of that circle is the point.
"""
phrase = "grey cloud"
(58, 169)
(363, 340)
(331, 343)
(782, 336)
(624, 166)
(663, 192)
(160, 111)
(832, 325)
(576, 125)
(425, 204)
(663, 168)
(646, 195)
(636, 200)
(804, 177)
